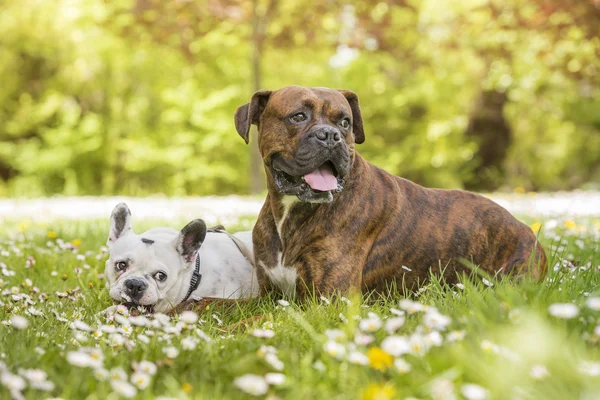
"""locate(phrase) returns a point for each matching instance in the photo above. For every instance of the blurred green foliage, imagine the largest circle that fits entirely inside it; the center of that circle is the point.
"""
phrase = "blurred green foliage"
(137, 96)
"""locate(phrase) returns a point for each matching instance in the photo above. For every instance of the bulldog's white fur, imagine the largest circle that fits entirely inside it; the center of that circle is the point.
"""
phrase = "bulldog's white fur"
(134, 270)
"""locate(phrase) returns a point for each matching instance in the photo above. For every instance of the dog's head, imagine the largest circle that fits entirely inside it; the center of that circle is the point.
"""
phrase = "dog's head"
(306, 138)
(148, 269)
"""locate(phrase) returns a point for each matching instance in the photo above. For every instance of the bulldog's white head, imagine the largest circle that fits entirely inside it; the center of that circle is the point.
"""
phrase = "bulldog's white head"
(150, 269)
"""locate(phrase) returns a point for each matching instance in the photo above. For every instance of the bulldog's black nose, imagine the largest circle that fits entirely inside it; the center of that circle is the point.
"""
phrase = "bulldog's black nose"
(135, 287)
(327, 135)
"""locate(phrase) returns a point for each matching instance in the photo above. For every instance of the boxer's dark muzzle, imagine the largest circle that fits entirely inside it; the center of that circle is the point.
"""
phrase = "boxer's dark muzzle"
(318, 168)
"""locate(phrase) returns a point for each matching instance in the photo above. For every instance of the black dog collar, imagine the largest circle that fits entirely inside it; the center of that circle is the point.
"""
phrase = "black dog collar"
(196, 278)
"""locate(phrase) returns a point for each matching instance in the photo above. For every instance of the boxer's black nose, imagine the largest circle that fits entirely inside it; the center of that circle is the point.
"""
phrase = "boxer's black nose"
(327, 135)
(135, 287)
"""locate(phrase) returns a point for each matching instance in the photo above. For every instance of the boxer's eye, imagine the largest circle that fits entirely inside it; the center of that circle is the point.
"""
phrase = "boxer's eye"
(345, 123)
(160, 276)
(297, 118)
(120, 266)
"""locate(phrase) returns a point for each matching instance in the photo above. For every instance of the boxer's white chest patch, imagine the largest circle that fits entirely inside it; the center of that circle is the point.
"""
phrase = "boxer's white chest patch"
(282, 276)
(287, 202)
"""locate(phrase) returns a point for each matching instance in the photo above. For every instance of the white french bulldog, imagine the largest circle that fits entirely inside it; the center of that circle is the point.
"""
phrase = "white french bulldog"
(163, 267)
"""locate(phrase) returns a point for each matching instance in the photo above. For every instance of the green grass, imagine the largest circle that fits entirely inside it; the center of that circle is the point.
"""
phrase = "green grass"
(507, 327)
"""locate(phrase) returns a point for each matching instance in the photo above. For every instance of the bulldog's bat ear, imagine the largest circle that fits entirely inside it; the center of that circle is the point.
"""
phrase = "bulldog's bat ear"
(250, 113)
(357, 122)
(120, 223)
(190, 239)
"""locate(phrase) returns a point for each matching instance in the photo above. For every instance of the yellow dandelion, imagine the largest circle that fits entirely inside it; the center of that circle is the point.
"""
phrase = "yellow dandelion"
(379, 359)
(76, 242)
(379, 392)
(535, 227)
(186, 387)
(520, 190)
(52, 235)
(570, 224)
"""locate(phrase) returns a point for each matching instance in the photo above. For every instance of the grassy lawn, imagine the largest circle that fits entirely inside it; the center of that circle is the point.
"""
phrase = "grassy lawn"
(502, 337)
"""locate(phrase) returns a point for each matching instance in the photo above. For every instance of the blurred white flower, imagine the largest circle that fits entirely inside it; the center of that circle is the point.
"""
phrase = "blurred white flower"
(356, 357)
(434, 320)
(118, 374)
(171, 352)
(410, 306)
(146, 367)
(590, 368)
(343, 56)
(487, 283)
(189, 317)
(189, 343)
(203, 335)
(393, 324)
(275, 378)
(325, 300)
(563, 310)
(14, 383)
(274, 361)
(263, 333)
(490, 347)
(593, 303)
(252, 384)
(283, 303)
(474, 392)
(433, 339)
(101, 374)
(442, 389)
(455, 336)
(395, 345)
(139, 320)
(362, 339)
(335, 334)
(370, 324)
(140, 379)
(19, 322)
(84, 359)
(539, 372)
(335, 349)
(402, 366)
(80, 325)
(418, 344)
(460, 286)
(123, 388)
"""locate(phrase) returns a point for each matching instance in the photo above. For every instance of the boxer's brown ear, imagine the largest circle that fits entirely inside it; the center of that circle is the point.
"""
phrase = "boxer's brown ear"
(357, 122)
(250, 113)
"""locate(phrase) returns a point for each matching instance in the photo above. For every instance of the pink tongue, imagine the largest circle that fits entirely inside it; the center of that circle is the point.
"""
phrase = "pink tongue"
(322, 179)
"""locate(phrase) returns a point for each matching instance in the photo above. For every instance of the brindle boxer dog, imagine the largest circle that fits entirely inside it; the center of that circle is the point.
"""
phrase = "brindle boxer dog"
(334, 222)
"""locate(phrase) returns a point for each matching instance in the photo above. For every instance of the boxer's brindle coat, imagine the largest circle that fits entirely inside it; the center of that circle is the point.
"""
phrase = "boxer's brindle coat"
(334, 222)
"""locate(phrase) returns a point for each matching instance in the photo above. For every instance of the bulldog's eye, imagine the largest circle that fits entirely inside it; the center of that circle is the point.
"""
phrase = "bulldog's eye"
(297, 118)
(120, 266)
(345, 123)
(160, 276)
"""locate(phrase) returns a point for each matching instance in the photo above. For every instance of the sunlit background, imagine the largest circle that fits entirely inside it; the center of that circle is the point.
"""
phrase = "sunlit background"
(136, 97)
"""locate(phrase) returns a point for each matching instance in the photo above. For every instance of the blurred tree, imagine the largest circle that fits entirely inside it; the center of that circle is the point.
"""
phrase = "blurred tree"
(137, 96)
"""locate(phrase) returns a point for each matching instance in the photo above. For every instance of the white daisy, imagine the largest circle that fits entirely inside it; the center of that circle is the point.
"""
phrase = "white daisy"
(141, 380)
(123, 388)
(474, 392)
(402, 366)
(275, 378)
(539, 372)
(393, 324)
(593, 303)
(19, 322)
(283, 303)
(563, 310)
(370, 324)
(252, 384)
(335, 349)
(395, 345)
(263, 333)
(356, 357)
(189, 317)
(171, 352)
